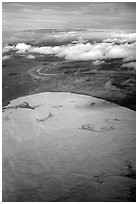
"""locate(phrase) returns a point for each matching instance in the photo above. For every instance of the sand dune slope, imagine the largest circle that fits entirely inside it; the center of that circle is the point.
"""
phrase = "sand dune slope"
(68, 147)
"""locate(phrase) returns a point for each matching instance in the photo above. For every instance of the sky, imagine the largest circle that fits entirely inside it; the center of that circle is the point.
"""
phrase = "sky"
(66, 15)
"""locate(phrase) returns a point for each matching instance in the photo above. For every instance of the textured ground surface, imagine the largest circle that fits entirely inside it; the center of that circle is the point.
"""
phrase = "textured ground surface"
(68, 147)
(21, 76)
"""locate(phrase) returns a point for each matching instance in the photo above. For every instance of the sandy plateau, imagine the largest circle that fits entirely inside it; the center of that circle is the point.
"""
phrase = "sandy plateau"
(68, 147)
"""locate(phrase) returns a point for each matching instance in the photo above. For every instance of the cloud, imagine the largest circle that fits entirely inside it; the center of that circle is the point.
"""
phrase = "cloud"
(130, 65)
(83, 50)
(80, 51)
(126, 37)
(30, 57)
(121, 38)
(65, 36)
(6, 57)
(22, 47)
(8, 48)
(126, 51)
(89, 51)
(98, 62)
(71, 14)
(42, 50)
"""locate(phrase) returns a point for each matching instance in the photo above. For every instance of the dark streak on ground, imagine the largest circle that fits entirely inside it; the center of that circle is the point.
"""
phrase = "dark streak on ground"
(22, 105)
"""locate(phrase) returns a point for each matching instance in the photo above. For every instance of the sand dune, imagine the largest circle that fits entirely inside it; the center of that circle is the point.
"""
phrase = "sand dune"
(68, 147)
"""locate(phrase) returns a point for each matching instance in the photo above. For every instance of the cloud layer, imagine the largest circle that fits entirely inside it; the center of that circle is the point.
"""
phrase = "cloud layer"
(6, 57)
(119, 46)
(130, 65)
(104, 15)
(81, 51)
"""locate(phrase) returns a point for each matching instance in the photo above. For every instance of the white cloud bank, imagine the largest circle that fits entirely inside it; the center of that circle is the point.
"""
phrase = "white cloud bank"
(8, 48)
(121, 38)
(22, 47)
(131, 65)
(126, 37)
(82, 51)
